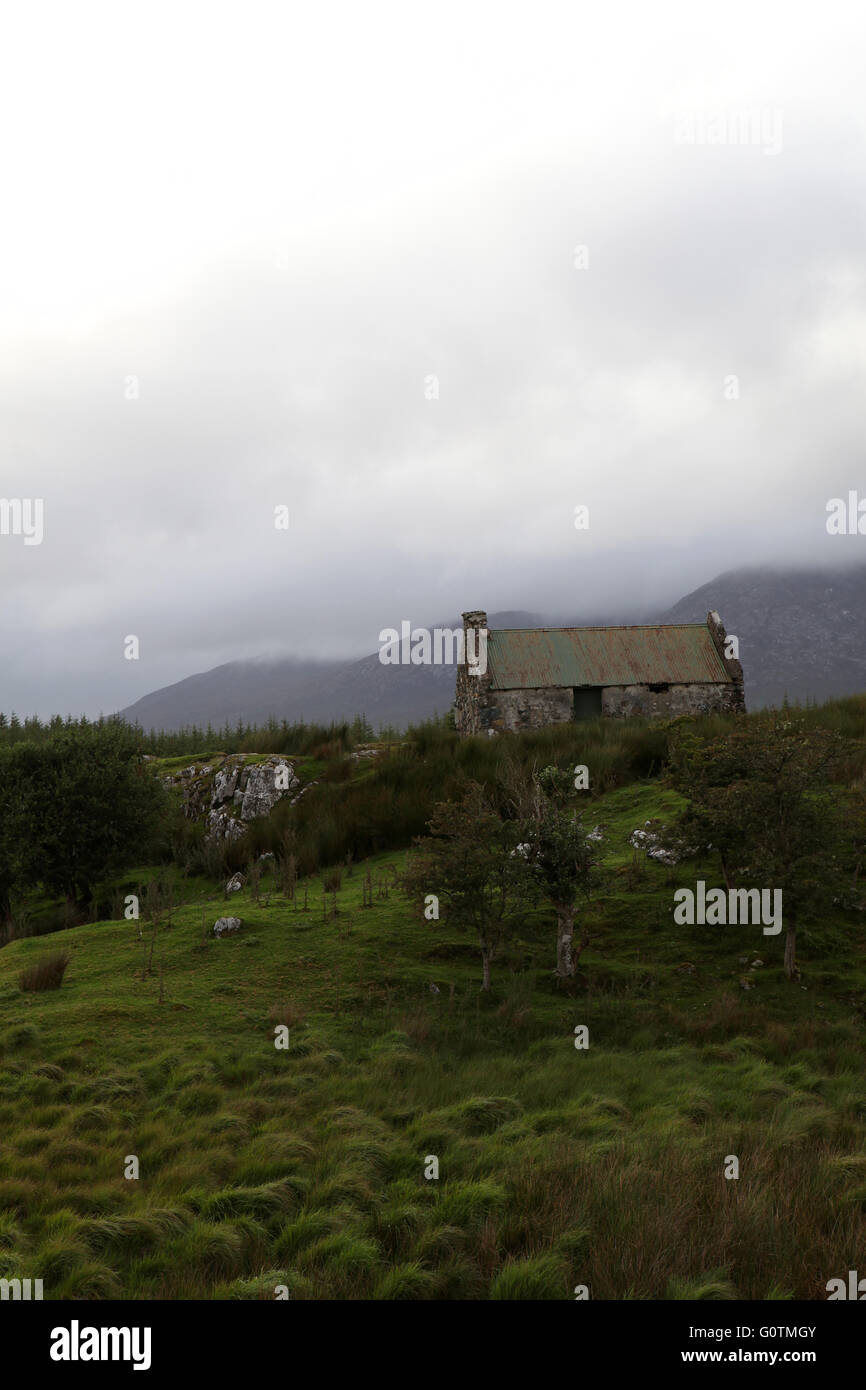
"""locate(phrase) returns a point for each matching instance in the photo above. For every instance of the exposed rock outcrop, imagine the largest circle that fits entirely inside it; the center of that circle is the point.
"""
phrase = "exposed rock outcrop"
(227, 795)
(652, 840)
(262, 786)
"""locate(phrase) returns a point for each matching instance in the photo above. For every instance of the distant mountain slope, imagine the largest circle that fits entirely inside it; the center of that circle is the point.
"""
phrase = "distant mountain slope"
(319, 692)
(802, 632)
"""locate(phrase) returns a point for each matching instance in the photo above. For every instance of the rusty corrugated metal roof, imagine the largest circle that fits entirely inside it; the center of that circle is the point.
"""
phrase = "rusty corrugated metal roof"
(527, 658)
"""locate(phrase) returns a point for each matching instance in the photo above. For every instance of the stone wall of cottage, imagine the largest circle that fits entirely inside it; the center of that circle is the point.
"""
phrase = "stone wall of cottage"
(623, 701)
(514, 710)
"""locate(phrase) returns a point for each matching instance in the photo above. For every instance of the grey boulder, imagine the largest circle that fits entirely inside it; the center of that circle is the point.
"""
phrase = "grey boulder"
(225, 926)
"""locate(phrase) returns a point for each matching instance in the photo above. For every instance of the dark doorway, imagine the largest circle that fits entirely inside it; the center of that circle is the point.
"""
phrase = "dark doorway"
(587, 701)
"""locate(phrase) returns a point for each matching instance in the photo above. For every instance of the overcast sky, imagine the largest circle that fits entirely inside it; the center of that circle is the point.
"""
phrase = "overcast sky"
(431, 277)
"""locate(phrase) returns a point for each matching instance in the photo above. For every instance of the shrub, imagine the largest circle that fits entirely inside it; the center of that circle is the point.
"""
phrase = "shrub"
(46, 973)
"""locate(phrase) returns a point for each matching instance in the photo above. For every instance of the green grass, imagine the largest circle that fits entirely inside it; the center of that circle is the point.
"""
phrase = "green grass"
(557, 1166)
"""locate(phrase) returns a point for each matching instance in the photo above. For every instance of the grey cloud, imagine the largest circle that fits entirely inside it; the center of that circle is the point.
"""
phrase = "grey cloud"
(302, 382)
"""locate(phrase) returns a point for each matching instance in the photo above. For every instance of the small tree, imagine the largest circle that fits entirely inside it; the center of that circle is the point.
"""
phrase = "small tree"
(762, 797)
(469, 862)
(560, 857)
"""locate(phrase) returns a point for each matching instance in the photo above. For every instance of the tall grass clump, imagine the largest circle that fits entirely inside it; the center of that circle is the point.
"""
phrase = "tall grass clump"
(46, 973)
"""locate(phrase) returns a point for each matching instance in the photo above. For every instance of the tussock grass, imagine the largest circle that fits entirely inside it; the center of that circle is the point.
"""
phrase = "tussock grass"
(557, 1167)
(45, 974)
(407, 1281)
(540, 1278)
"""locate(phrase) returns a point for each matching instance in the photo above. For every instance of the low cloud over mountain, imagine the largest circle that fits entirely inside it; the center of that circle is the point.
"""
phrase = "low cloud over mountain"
(802, 634)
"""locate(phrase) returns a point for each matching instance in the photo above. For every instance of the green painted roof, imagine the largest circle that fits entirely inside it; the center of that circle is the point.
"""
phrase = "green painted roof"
(678, 653)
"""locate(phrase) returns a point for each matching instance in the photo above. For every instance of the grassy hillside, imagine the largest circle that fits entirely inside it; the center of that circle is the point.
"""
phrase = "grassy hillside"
(557, 1166)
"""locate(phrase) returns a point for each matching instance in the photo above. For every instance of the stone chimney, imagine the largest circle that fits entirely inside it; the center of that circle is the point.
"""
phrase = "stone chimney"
(730, 663)
(472, 695)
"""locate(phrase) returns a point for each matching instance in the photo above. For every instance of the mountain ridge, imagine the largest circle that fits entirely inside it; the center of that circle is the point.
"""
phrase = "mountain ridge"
(802, 635)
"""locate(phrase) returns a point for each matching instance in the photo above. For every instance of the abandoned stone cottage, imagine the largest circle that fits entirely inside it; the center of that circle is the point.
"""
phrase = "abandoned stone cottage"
(537, 676)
